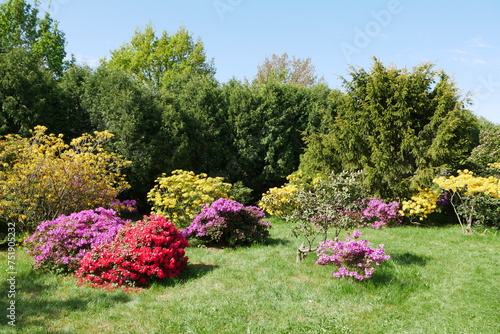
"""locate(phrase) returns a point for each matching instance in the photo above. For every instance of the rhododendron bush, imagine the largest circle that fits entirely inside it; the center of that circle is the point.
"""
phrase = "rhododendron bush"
(226, 222)
(59, 245)
(42, 177)
(475, 199)
(181, 196)
(378, 214)
(354, 258)
(152, 248)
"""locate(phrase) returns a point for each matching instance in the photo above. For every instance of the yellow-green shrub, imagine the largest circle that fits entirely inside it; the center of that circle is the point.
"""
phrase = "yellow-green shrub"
(475, 199)
(181, 196)
(42, 177)
(279, 201)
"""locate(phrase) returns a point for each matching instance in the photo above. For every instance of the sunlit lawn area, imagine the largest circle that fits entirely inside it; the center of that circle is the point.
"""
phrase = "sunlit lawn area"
(437, 281)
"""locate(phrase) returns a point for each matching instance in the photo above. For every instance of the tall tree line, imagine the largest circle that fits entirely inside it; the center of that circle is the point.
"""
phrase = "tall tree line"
(159, 96)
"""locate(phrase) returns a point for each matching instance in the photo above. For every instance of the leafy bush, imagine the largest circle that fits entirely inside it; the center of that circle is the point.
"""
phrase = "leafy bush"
(475, 199)
(353, 257)
(488, 149)
(332, 203)
(42, 177)
(379, 214)
(152, 248)
(421, 205)
(280, 201)
(229, 223)
(181, 196)
(59, 245)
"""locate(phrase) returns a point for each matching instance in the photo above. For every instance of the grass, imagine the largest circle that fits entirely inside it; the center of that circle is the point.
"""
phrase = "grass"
(437, 281)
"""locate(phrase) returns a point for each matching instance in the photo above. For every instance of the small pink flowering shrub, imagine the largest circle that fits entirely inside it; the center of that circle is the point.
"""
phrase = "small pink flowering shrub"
(152, 248)
(229, 223)
(379, 214)
(59, 245)
(353, 257)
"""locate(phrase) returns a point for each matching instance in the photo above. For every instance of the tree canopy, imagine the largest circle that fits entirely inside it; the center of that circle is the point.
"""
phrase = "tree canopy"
(400, 127)
(282, 69)
(157, 60)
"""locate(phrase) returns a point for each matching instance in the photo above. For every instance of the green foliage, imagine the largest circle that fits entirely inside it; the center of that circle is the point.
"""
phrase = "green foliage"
(282, 70)
(22, 28)
(399, 126)
(488, 150)
(333, 203)
(475, 199)
(266, 124)
(181, 196)
(42, 177)
(157, 60)
(28, 95)
(115, 102)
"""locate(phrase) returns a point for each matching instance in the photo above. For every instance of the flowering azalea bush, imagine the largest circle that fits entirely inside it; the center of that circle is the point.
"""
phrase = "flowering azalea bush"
(279, 201)
(422, 204)
(152, 248)
(59, 245)
(181, 196)
(353, 257)
(226, 222)
(475, 199)
(379, 214)
(332, 204)
(42, 177)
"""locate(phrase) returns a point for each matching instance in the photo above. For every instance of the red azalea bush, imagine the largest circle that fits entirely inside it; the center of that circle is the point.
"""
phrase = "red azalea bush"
(142, 251)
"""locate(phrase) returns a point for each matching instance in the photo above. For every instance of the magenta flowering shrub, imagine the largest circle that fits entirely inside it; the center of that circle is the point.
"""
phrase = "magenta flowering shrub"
(229, 223)
(58, 245)
(353, 257)
(378, 214)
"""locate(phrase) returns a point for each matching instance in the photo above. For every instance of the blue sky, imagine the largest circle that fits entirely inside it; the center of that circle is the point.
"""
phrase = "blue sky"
(460, 37)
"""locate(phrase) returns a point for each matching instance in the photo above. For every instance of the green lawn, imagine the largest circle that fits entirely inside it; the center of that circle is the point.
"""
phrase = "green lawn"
(437, 281)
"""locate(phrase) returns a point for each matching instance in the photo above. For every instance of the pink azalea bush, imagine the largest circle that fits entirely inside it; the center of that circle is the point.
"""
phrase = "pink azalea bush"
(226, 222)
(58, 245)
(353, 257)
(379, 214)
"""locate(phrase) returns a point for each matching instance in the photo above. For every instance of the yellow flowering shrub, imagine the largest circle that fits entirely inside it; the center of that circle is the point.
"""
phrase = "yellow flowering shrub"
(474, 198)
(42, 177)
(181, 196)
(469, 184)
(279, 201)
(420, 205)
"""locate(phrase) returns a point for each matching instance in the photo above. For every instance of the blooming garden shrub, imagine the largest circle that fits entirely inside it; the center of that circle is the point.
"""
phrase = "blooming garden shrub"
(421, 205)
(226, 222)
(59, 245)
(475, 199)
(331, 204)
(181, 196)
(379, 214)
(279, 201)
(43, 177)
(152, 248)
(353, 257)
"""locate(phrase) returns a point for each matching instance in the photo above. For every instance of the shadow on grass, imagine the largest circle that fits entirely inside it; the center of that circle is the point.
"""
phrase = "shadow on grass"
(193, 271)
(37, 302)
(277, 242)
(386, 275)
(408, 259)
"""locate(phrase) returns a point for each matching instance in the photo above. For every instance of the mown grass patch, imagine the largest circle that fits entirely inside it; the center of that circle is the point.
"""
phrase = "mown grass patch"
(437, 281)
